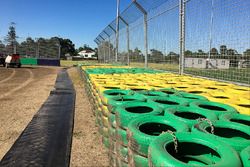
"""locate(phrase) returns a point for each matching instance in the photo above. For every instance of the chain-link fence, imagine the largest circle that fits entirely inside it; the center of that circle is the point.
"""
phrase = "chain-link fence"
(32, 48)
(209, 38)
(218, 39)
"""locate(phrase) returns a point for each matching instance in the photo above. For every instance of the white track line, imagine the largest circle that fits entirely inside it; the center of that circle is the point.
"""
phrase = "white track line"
(31, 78)
(8, 78)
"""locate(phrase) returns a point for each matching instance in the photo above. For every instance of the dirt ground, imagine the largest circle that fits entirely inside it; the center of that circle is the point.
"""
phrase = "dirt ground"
(87, 148)
(22, 92)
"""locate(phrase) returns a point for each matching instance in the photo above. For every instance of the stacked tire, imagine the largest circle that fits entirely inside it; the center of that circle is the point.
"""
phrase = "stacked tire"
(166, 127)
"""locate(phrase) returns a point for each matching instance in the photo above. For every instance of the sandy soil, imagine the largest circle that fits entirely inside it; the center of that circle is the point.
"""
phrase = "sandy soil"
(22, 92)
(87, 148)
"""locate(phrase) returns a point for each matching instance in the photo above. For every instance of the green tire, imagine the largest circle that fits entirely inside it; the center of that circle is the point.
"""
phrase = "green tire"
(112, 132)
(127, 112)
(120, 100)
(136, 160)
(190, 97)
(120, 162)
(245, 156)
(169, 91)
(236, 118)
(168, 101)
(122, 152)
(112, 159)
(121, 137)
(112, 146)
(105, 141)
(112, 120)
(143, 130)
(217, 108)
(234, 134)
(188, 115)
(193, 150)
(107, 94)
(152, 93)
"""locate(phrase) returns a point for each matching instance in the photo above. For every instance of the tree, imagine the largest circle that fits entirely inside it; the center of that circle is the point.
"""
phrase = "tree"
(66, 46)
(247, 52)
(2, 48)
(200, 52)
(231, 52)
(86, 47)
(11, 37)
(136, 54)
(223, 49)
(156, 55)
(188, 53)
(214, 52)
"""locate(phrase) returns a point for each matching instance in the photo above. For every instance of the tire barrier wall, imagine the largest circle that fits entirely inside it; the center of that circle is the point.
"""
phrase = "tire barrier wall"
(230, 94)
(46, 141)
(127, 132)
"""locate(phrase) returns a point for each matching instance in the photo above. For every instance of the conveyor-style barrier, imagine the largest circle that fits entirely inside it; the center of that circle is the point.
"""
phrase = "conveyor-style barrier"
(46, 141)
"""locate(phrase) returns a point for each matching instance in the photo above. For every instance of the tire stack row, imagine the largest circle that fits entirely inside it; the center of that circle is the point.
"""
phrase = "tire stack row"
(137, 79)
(139, 128)
(231, 130)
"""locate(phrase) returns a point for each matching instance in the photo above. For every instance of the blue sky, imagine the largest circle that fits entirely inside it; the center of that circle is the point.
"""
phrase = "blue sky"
(79, 20)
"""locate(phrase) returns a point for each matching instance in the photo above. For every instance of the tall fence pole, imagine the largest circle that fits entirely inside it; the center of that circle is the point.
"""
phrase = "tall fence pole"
(145, 15)
(103, 48)
(59, 51)
(127, 31)
(211, 30)
(128, 45)
(108, 45)
(182, 35)
(117, 29)
(115, 33)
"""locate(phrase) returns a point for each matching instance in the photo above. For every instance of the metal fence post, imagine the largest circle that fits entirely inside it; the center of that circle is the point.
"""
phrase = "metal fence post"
(145, 30)
(114, 32)
(127, 31)
(182, 35)
(117, 30)
(108, 45)
(103, 48)
(128, 45)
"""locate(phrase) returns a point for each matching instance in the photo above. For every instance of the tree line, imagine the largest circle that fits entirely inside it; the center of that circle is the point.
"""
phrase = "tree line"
(53, 47)
(158, 56)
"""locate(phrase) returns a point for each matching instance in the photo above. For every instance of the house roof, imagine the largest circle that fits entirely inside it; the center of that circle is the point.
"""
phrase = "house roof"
(86, 51)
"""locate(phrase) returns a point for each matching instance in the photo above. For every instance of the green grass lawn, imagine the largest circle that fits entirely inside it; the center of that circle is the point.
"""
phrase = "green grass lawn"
(70, 63)
(232, 74)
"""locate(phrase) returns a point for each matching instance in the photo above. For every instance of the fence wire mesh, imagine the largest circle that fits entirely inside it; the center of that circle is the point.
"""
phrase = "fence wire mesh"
(216, 37)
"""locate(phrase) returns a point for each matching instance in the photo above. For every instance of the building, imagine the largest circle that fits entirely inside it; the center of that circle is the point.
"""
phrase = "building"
(87, 54)
(207, 63)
